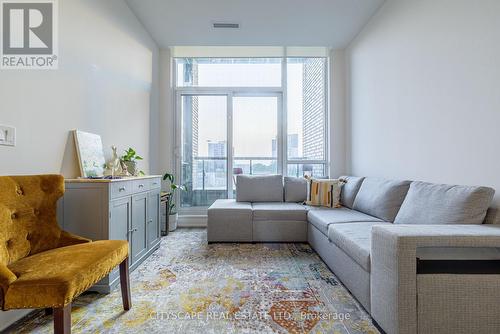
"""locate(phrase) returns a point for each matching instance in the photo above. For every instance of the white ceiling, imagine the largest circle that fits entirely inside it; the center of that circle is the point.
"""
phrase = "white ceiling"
(332, 23)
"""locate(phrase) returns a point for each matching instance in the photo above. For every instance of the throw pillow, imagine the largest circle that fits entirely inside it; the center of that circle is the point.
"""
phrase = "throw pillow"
(324, 192)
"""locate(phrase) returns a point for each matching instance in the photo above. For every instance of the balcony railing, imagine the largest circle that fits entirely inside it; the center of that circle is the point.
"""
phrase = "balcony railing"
(206, 177)
(210, 173)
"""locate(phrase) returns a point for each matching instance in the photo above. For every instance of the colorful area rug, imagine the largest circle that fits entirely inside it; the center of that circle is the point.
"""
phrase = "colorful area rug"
(188, 286)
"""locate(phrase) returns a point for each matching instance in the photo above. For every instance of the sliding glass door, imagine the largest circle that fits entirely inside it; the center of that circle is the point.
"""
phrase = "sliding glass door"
(255, 135)
(203, 158)
(224, 135)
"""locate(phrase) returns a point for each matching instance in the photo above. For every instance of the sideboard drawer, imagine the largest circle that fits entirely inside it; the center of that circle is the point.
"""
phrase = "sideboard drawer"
(120, 189)
(154, 183)
(140, 185)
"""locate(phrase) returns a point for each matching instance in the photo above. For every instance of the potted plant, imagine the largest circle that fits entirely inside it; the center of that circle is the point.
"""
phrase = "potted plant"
(171, 208)
(130, 159)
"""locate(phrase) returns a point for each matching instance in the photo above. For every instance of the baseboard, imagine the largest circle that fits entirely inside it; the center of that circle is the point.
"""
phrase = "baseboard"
(192, 221)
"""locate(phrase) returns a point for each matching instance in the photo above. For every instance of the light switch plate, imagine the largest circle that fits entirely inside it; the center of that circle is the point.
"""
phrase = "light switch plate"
(7, 135)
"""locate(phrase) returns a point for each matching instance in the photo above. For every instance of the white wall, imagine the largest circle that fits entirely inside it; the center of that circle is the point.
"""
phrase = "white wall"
(338, 163)
(167, 114)
(107, 83)
(424, 91)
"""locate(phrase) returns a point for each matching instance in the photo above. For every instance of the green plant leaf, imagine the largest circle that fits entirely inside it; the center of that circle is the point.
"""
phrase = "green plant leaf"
(169, 177)
(130, 155)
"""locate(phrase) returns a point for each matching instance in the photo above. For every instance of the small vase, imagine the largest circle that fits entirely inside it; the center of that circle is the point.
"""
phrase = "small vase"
(172, 222)
(131, 167)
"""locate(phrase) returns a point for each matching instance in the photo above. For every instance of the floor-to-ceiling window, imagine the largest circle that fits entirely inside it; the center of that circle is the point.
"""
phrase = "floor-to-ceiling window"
(252, 116)
(306, 116)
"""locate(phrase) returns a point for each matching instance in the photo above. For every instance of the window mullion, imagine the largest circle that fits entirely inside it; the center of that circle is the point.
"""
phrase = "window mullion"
(229, 146)
(284, 117)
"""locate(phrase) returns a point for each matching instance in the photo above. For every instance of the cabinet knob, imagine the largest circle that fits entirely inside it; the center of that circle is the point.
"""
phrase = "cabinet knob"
(150, 221)
(132, 230)
(141, 186)
(121, 189)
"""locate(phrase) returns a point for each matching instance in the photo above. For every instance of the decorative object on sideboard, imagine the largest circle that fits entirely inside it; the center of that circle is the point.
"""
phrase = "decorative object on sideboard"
(130, 159)
(90, 154)
(171, 208)
(115, 168)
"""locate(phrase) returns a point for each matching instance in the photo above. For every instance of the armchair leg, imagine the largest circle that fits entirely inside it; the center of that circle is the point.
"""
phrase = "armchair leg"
(62, 320)
(125, 285)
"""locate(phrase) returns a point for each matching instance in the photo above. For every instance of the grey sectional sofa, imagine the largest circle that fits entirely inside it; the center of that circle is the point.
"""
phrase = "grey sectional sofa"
(416, 255)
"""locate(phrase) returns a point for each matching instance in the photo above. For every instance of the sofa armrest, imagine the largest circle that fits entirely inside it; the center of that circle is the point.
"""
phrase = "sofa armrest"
(6, 279)
(69, 239)
(394, 266)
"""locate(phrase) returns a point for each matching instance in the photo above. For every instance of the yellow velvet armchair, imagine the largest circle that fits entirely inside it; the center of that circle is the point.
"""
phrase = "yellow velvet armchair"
(42, 266)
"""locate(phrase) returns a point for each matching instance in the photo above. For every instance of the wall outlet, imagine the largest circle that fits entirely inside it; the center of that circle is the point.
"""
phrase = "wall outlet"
(7, 135)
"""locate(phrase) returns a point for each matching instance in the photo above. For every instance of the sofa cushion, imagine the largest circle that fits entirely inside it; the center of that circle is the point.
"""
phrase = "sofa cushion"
(295, 189)
(261, 188)
(229, 220)
(350, 190)
(381, 198)
(354, 239)
(321, 218)
(230, 206)
(53, 278)
(428, 203)
(279, 212)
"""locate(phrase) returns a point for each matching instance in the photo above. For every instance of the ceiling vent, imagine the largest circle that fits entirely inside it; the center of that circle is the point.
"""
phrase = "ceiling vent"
(225, 25)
